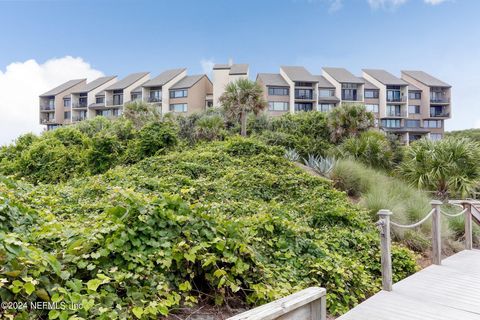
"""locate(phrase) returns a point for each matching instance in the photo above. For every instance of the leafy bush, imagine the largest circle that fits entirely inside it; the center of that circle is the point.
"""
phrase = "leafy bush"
(448, 166)
(348, 120)
(371, 148)
(226, 222)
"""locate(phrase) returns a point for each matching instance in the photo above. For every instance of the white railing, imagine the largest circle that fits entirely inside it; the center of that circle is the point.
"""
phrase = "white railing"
(384, 224)
(308, 304)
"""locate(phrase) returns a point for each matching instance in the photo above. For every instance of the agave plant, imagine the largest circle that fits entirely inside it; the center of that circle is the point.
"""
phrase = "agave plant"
(292, 155)
(321, 165)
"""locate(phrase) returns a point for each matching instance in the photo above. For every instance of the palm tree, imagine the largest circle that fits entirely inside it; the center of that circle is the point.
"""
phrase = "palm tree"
(240, 98)
(349, 120)
(448, 166)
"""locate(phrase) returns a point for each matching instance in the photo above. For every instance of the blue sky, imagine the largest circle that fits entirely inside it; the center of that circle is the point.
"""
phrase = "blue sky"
(123, 36)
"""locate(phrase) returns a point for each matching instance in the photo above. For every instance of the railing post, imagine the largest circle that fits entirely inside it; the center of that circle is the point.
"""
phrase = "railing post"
(468, 225)
(385, 251)
(436, 233)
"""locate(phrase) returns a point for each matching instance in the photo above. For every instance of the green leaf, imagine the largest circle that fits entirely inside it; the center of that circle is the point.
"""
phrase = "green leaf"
(138, 312)
(93, 284)
(29, 288)
(220, 272)
(53, 314)
(42, 294)
(186, 286)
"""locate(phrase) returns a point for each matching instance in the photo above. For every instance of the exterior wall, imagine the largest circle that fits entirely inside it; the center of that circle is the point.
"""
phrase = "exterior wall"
(59, 109)
(221, 78)
(416, 102)
(128, 90)
(336, 84)
(166, 93)
(291, 84)
(91, 96)
(382, 95)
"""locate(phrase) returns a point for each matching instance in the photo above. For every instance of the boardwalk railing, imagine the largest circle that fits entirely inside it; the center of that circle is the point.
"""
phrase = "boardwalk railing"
(384, 224)
(308, 304)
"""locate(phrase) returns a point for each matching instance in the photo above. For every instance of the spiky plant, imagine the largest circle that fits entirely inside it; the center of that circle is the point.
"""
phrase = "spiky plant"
(292, 155)
(321, 165)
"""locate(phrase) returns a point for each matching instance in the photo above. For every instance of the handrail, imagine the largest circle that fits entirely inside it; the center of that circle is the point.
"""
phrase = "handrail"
(385, 223)
(411, 226)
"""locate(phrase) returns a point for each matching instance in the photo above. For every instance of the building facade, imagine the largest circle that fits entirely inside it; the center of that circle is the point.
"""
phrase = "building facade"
(411, 107)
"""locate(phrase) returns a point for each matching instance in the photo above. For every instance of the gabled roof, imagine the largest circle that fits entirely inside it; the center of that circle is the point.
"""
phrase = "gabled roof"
(238, 69)
(342, 75)
(61, 88)
(426, 79)
(127, 81)
(94, 84)
(411, 87)
(272, 79)
(163, 78)
(324, 83)
(188, 81)
(297, 73)
(385, 77)
(369, 85)
(241, 68)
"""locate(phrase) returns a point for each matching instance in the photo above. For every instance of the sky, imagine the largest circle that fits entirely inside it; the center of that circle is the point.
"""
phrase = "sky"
(46, 42)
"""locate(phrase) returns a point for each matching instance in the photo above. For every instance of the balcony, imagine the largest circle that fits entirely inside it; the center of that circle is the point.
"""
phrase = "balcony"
(47, 108)
(79, 105)
(439, 100)
(396, 113)
(347, 97)
(47, 120)
(115, 102)
(154, 99)
(439, 113)
(397, 99)
(78, 118)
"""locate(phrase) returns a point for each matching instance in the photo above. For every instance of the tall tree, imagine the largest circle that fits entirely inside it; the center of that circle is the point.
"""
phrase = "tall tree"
(349, 120)
(240, 98)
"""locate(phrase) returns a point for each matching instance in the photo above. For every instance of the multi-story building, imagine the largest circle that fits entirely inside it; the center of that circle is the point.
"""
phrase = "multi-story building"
(86, 96)
(223, 74)
(192, 94)
(429, 101)
(409, 107)
(116, 95)
(55, 105)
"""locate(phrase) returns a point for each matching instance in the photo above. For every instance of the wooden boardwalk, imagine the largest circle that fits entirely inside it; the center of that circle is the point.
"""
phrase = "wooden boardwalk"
(448, 291)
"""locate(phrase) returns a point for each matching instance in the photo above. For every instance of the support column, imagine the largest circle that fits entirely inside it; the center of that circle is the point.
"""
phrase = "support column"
(436, 233)
(385, 250)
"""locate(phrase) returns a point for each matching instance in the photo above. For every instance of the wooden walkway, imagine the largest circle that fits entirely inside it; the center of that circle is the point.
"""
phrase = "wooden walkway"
(448, 291)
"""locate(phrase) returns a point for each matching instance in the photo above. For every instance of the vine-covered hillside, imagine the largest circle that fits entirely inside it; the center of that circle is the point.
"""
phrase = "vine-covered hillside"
(229, 222)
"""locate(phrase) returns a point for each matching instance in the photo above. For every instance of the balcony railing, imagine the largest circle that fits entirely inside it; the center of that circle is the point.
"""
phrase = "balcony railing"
(115, 102)
(305, 96)
(47, 107)
(442, 114)
(154, 99)
(396, 113)
(357, 97)
(45, 121)
(439, 100)
(79, 105)
(79, 118)
(397, 99)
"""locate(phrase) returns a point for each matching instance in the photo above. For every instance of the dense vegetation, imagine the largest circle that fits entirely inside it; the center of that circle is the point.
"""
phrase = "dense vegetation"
(141, 216)
(472, 134)
(226, 222)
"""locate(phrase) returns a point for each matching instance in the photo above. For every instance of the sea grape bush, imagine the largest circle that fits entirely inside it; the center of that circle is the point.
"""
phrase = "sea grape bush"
(229, 222)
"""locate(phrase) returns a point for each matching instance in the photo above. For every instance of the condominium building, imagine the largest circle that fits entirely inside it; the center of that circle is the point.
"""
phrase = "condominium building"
(88, 95)
(223, 74)
(192, 94)
(157, 90)
(55, 105)
(348, 88)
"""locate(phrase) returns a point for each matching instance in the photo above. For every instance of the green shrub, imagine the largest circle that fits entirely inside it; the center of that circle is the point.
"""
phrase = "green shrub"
(371, 148)
(155, 137)
(348, 120)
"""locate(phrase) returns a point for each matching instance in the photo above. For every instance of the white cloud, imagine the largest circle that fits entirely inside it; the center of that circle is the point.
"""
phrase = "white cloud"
(434, 2)
(207, 65)
(386, 4)
(22, 82)
(335, 5)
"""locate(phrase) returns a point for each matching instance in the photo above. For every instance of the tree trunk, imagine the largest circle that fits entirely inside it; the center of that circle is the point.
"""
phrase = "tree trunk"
(243, 121)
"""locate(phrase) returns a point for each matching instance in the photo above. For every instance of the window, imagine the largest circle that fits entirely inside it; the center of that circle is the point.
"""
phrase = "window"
(82, 102)
(135, 96)
(349, 94)
(155, 96)
(412, 123)
(414, 95)
(325, 93)
(394, 95)
(432, 123)
(325, 107)
(414, 109)
(391, 123)
(51, 103)
(100, 99)
(303, 84)
(277, 91)
(66, 103)
(178, 107)
(371, 94)
(349, 86)
(303, 106)
(372, 108)
(277, 106)
(178, 93)
(394, 110)
(67, 115)
(118, 99)
(435, 136)
(303, 94)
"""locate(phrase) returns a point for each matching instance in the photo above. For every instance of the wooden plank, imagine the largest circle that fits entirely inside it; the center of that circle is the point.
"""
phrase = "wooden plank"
(448, 291)
(294, 306)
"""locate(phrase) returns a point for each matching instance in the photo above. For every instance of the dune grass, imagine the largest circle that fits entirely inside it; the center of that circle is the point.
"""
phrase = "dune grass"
(377, 190)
